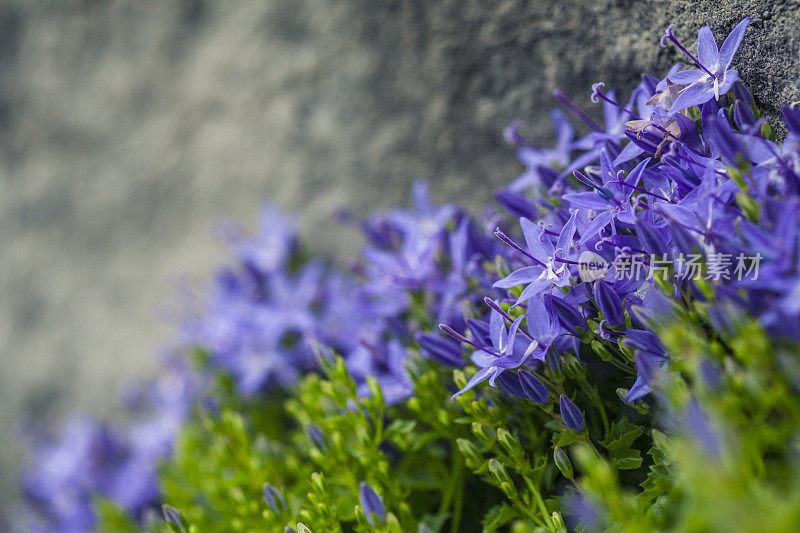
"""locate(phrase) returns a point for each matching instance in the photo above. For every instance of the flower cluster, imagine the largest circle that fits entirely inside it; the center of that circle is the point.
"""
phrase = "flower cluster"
(673, 173)
(540, 297)
(119, 463)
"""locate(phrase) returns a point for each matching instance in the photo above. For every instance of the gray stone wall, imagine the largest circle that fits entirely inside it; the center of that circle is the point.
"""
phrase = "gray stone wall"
(127, 128)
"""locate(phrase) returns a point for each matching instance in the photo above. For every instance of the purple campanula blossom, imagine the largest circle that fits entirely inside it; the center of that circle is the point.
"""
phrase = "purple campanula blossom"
(540, 163)
(610, 200)
(714, 77)
(658, 182)
(549, 269)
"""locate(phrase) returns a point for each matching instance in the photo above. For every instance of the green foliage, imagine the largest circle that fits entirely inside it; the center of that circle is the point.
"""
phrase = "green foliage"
(735, 467)
(489, 462)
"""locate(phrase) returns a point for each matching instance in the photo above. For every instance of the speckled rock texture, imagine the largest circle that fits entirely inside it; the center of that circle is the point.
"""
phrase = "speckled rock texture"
(127, 128)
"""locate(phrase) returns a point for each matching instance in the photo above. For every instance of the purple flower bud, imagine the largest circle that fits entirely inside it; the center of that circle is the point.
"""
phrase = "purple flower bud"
(646, 368)
(571, 415)
(742, 93)
(274, 498)
(653, 240)
(698, 425)
(645, 341)
(723, 138)
(517, 204)
(683, 238)
(791, 116)
(511, 386)
(453, 333)
(743, 115)
(371, 502)
(569, 317)
(532, 387)
(442, 350)
(609, 303)
(173, 516)
(479, 330)
(316, 436)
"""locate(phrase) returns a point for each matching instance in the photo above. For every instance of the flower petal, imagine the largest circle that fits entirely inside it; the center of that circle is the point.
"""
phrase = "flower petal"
(732, 43)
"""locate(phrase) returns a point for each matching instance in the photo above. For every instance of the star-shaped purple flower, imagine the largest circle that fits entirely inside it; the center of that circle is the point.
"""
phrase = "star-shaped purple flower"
(714, 77)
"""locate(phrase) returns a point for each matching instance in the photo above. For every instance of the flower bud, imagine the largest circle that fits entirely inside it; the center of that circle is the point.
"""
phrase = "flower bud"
(472, 457)
(173, 517)
(440, 349)
(274, 498)
(563, 463)
(568, 316)
(601, 351)
(510, 444)
(498, 472)
(571, 415)
(483, 435)
(609, 303)
(371, 503)
(532, 387)
(509, 384)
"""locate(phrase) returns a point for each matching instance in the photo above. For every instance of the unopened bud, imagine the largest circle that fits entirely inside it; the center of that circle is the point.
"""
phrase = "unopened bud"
(563, 463)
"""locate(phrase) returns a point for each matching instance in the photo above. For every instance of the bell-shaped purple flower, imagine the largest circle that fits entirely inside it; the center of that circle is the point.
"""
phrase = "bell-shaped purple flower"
(532, 387)
(609, 303)
(571, 415)
(371, 502)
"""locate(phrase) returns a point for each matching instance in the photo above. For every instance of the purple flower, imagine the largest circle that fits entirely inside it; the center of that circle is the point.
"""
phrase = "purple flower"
(611, 200)
(714, 77)
(540, 163)
(571, 415)
(550, 267)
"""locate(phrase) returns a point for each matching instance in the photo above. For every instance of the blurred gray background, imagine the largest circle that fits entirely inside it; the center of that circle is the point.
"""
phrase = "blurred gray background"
(128, 128)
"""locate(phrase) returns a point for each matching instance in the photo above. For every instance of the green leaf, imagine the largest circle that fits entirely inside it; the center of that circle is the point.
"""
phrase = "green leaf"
(498, 516)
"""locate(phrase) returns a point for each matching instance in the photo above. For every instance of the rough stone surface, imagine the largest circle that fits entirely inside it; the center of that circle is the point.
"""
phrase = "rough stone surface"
(127, 127)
